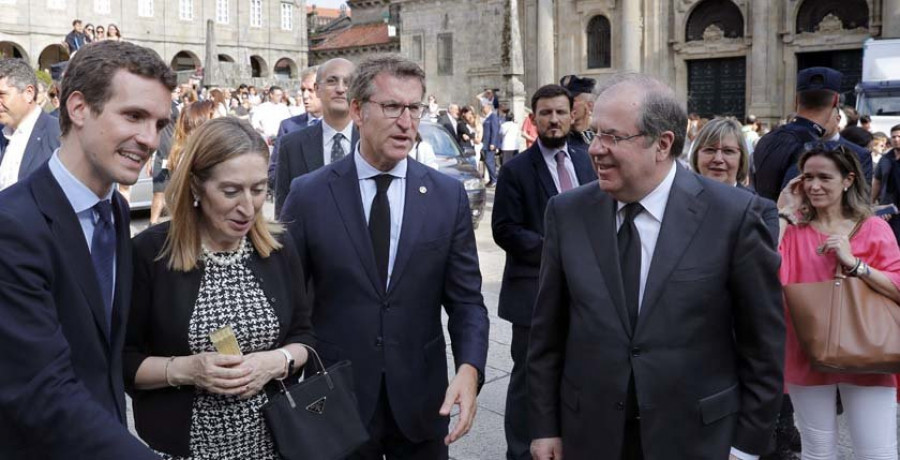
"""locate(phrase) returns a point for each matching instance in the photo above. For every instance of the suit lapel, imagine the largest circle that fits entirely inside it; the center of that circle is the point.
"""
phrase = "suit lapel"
(34, 145)
(313, 148)
(685, 211)
(414, 210)
(354, 139)
(64, 223)
(600, 223)
(584, 170)
(345, 191)
(540, 167)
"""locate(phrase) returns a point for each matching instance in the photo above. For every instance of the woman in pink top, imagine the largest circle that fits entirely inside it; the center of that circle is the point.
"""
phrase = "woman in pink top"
(826, 223)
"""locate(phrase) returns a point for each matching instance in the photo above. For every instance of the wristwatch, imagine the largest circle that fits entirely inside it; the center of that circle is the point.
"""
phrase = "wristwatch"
(289, 368)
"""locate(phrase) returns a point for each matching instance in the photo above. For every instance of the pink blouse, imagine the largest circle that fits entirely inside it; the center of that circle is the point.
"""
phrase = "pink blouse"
(875, 244)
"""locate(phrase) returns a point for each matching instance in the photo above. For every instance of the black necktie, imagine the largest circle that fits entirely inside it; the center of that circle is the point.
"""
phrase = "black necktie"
(380, 225)
(337, 150)
(103, 251)
(630, 260)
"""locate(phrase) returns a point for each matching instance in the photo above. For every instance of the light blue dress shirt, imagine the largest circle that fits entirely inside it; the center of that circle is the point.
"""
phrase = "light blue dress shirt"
(396, 198)
(82, 200)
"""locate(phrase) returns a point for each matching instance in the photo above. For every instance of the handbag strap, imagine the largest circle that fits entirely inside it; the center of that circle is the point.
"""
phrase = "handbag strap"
(323, 372)
(838, 270)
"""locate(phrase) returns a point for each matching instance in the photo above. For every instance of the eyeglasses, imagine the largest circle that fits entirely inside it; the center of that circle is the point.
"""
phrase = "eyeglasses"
(395, 110)
(610, 140)
(712, 151)
(825, 146)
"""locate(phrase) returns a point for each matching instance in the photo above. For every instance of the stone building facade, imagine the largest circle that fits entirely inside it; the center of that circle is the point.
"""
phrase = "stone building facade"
(733, 57)
(256, 41)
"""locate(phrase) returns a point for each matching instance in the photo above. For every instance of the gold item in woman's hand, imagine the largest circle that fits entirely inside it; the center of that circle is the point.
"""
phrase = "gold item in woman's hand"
(225, 341)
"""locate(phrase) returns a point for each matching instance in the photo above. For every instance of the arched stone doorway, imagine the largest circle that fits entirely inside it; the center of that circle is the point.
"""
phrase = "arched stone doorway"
(185, 61)
(832, 15)
(12, 49)
(258, 67)
(52, 54)
(226, 58)
(285, 69)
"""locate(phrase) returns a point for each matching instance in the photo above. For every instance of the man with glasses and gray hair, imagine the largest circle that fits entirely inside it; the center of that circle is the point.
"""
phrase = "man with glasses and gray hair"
(386, 242)
(658, 329)
(29, 136)
(326, 141)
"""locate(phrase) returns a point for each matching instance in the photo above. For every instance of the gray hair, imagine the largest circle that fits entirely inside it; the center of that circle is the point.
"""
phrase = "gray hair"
(659, 112)
(362, 83)
(309, 71)
(712, 133)
(18, 74)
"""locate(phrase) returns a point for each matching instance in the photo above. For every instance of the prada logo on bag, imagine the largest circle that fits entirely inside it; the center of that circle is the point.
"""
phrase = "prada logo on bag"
(317, 407)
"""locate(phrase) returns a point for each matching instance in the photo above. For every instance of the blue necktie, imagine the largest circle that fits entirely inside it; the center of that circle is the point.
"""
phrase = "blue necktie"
(103, 251)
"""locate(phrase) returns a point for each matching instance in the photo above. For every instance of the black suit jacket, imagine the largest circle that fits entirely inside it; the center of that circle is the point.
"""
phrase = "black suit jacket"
(301, 152)
(444, 120)
(61, 391)
(162, 305)
(44, 140)
(523, 189)
(287, 125)
(707, 353)
(394, 332)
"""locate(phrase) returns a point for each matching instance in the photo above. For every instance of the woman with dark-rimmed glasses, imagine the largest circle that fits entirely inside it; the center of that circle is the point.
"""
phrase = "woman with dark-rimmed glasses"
(826, 224)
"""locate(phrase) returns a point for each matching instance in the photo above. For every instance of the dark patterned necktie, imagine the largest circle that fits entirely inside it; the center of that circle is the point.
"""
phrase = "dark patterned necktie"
(380, 225)
(629, 241)
(337, 149)
(103, 252)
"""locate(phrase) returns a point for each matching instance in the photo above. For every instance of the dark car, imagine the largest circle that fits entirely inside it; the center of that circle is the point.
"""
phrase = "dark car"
(453, 162)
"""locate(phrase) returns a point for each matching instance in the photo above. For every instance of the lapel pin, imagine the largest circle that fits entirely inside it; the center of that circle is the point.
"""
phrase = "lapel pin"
(423, 190)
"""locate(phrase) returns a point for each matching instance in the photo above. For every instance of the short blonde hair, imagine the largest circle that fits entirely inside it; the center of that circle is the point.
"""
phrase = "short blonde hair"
(214, 142)
(711, 133)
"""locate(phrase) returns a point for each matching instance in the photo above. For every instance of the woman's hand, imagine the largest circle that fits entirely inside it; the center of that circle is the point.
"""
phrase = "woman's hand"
(840, 246)
(791, 198)
(213, 372)
(263, 366)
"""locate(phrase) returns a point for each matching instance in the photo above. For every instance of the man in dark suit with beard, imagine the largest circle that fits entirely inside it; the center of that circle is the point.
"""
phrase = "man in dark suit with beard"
(525, 185)
(658, 330)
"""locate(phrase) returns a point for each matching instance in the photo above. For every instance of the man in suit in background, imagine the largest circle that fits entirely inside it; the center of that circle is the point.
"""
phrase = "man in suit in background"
(580, 135)
(65, 263)
(306, 150)
(449, 119)
(490, 141)
(658, 330)
(29, 136)
(525, 185)
(386, 241)
(75, 39)
(313, 115)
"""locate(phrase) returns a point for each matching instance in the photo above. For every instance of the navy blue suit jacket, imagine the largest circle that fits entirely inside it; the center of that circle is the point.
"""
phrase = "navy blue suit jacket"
(523, 189)
(395, 332)
(491, 136)
(61, 389)
(43, 142)
(287, 125)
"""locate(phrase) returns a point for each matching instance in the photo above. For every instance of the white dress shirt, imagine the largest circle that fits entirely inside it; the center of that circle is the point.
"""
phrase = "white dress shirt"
(267, 117)
(17, 140)
(550, 159)
(396, 195)
(328, 140)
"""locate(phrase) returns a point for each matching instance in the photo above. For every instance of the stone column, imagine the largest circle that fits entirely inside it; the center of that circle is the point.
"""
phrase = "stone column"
(890, 22)
(763, 62)
(546, 61)
(513, 67)
(632, 34)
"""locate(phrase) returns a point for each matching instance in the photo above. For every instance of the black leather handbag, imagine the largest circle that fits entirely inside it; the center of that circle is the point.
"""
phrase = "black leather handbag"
(316, 418)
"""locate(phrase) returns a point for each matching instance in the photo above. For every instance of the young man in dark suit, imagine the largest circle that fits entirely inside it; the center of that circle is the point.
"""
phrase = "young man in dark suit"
(29, 136)
(490, 141)
(327, 141)
(525, 185)
(65, 263)
(658, 329)
(313, 115)
(386, 242)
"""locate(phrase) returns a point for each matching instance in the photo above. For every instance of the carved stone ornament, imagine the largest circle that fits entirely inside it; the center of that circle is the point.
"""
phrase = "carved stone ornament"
(713, 33)
(684, 5)
(830, 24)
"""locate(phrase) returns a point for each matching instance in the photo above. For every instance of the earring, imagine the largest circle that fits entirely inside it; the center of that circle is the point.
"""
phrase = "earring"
(846, 188)
(196, 202)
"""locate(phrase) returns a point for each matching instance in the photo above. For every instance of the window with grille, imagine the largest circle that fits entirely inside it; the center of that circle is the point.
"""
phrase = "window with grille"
(255, 13)
(415, 48)
(145, 8)
(599, 44)
(222, 11)
(186, 10)
(101, 6)
(445, 54)
(287, 16)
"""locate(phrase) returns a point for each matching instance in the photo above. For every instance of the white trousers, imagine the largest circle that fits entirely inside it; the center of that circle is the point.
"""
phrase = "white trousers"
(871, 414)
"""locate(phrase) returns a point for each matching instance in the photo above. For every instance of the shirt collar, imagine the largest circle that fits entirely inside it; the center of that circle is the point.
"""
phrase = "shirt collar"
(366, 171)
(817, 128)
(27, 124)
(655, 202)
(79, 195)
(551, 153)
(329, 132)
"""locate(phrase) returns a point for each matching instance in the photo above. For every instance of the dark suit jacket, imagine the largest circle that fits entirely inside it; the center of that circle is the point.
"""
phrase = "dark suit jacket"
(288, 125)
(463, 128)
(491, 130)
(75, 40)
(708, 350)
(396, 332)
(523, 189)
(301, 152)
(445, 121)
(162, 305)
(61, 392)
(44, 140)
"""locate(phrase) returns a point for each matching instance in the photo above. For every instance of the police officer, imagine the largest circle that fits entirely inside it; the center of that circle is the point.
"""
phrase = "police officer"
(581, 135)
(776, 154)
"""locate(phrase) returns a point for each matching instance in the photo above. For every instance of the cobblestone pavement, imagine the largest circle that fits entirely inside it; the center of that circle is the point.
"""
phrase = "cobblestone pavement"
(486, 440)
